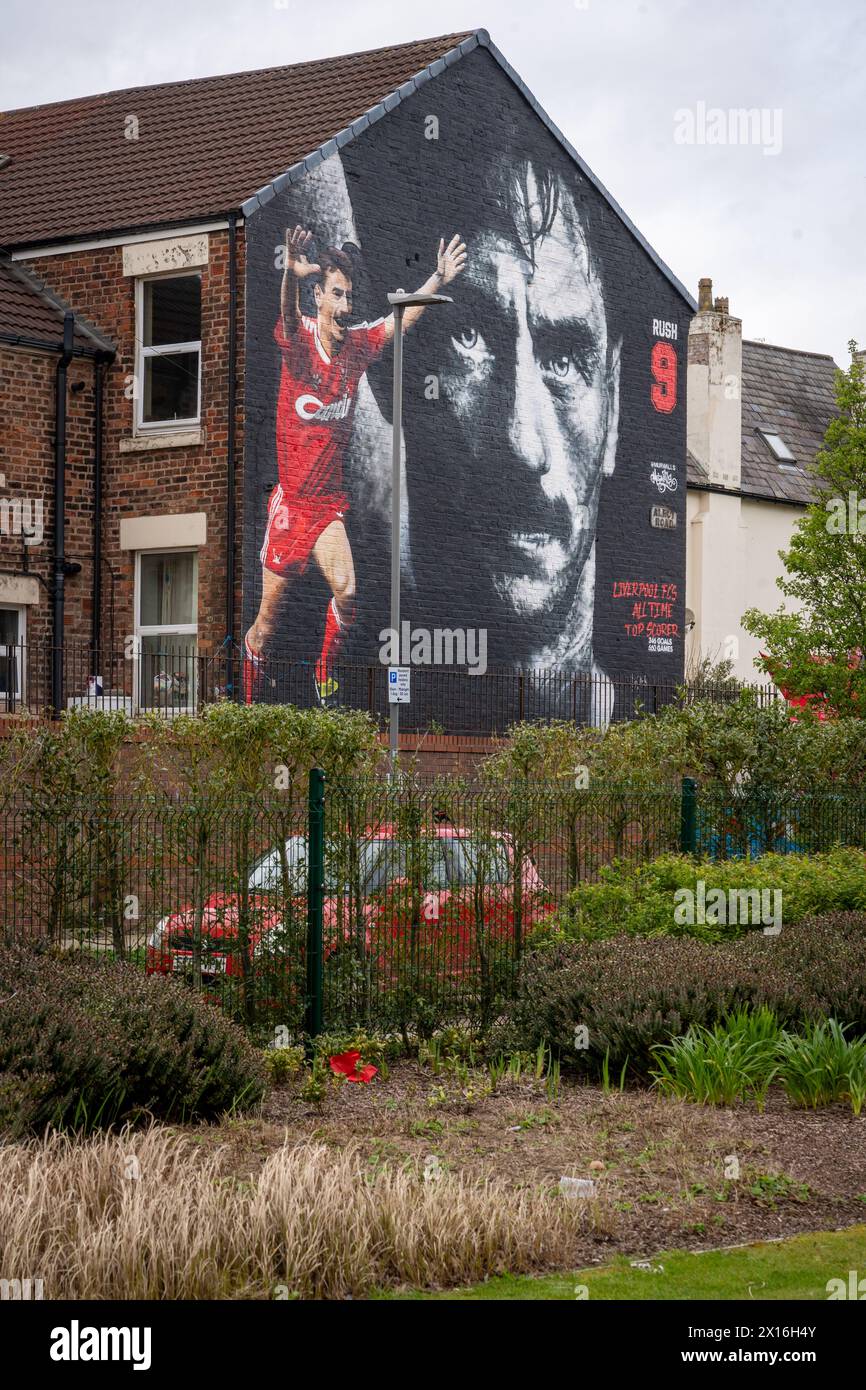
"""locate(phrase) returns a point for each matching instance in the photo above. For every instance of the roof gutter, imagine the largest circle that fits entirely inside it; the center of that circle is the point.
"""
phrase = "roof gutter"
(38, 345)
(749, 496)
(118, 236)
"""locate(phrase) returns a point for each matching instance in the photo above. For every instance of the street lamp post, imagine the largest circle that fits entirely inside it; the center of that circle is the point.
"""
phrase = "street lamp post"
(399, 302)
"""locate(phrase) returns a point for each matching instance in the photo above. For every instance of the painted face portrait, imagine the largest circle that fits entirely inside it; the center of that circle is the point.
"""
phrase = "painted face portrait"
(529, 379)
(333, 300)
(534, 421)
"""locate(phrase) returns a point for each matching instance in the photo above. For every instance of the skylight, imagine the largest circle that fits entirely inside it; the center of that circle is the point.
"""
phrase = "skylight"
(778, 447)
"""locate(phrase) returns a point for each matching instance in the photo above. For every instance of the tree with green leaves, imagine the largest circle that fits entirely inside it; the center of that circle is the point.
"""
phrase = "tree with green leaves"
(821, 647)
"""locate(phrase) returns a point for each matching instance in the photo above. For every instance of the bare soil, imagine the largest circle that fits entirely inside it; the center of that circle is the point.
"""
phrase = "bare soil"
(668, 1174)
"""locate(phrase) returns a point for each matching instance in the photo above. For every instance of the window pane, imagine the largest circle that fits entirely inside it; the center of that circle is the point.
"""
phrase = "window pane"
(172, 311)
(8, 626)
(267, 874)
(10, 637)
(167, 596)
(167, 676)
(171, 387)
(9, 660)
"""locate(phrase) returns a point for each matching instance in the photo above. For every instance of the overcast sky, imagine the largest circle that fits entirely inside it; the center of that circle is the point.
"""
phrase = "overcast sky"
(781, 234)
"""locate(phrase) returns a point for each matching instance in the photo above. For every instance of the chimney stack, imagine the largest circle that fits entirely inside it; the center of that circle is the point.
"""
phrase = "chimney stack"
(714, 389)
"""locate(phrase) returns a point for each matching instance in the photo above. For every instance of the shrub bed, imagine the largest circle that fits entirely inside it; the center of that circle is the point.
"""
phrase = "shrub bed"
(639, 899)
(742, 1056)
(633, 994)
(85, 1043)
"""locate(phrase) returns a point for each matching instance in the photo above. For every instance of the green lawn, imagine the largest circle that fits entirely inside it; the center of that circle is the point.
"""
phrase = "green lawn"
(797, 1268)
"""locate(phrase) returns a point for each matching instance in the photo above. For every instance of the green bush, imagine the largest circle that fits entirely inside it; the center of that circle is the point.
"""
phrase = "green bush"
(639, 899)
(631, 994)
(87, 1043)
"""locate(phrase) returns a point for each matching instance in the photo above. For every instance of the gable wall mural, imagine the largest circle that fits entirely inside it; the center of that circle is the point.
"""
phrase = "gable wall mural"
(543, 412)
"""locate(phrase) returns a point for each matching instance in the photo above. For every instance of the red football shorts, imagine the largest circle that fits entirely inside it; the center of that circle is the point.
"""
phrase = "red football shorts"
(293, 528)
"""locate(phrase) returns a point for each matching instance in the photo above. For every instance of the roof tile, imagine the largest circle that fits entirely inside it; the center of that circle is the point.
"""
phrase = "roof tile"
(785, 392)
(203, 147)
(792, 394)
(31, 314)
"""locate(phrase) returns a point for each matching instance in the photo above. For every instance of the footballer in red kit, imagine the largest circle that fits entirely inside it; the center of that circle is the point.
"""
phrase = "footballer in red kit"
(323, 360)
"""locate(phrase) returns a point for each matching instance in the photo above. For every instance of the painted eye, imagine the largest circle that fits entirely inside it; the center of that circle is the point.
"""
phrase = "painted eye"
(567, 367)
(470, 348)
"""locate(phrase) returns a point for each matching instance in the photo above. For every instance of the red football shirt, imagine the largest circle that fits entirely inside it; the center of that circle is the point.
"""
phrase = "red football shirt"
(316, 404)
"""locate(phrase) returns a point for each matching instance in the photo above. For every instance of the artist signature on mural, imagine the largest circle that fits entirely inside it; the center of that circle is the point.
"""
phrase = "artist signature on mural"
(663, 477)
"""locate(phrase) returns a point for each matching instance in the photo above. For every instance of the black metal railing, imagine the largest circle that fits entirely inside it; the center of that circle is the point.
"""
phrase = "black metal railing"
(171, 676)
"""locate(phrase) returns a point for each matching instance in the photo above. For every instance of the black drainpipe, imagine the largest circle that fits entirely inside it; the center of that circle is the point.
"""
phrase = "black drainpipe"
(231, 510)
(99, 368)
(59, 513)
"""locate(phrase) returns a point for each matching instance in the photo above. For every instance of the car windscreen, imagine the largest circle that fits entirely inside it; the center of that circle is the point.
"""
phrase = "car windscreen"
(266, 875)
(478, 861)
(383, 861)
(439, 863)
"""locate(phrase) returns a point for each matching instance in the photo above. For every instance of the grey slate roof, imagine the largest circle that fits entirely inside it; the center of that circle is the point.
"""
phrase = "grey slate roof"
(789, 393)
(696, 474)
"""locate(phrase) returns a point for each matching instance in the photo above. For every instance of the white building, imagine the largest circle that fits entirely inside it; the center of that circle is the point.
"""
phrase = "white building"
(757, 415)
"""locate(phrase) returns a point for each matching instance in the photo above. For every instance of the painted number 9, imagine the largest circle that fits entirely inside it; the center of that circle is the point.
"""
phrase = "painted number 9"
(663, 365)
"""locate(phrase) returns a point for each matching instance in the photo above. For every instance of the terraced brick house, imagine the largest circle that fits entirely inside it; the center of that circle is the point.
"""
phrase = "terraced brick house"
(193, 440)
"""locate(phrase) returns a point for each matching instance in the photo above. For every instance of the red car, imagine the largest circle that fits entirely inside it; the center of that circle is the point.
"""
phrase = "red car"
(463, 883)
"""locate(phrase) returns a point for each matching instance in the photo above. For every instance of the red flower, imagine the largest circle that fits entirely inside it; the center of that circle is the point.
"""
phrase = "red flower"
(345, 1064)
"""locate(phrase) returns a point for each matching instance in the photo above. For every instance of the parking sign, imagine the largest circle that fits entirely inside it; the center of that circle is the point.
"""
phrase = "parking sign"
(398, 685)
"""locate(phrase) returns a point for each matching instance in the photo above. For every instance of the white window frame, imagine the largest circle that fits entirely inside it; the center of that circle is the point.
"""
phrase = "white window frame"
(142, 353)
(172, 630)
(18, 695)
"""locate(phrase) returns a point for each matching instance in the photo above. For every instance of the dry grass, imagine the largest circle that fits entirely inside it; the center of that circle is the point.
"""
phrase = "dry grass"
(147, 1215)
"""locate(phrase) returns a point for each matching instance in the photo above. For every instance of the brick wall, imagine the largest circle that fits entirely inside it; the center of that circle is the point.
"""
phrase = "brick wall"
(27, 425)
(445, 755)
(155, 480)
(473, 459)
